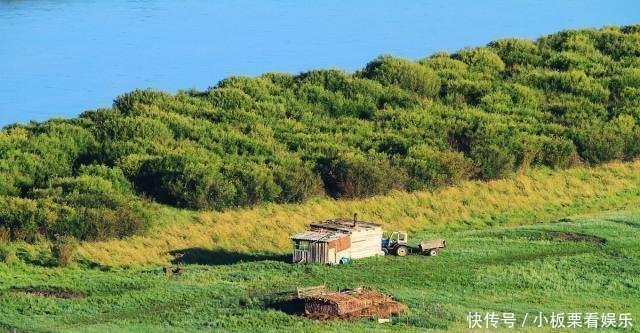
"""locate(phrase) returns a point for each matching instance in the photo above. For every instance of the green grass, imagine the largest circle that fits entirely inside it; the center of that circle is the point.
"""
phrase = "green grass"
(524, 269)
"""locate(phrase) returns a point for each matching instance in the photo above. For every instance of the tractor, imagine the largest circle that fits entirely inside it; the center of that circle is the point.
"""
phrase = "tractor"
(398, 243)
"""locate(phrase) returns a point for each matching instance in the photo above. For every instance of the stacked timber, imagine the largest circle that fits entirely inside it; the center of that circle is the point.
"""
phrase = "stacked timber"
(352, 304)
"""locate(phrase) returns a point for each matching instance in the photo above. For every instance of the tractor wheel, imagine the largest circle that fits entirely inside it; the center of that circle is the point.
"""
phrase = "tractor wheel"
(402, 251)
(385, 251)
(433, 252)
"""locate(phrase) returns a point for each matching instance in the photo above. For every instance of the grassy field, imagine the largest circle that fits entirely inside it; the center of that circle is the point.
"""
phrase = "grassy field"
(586, 264)
(546, 241)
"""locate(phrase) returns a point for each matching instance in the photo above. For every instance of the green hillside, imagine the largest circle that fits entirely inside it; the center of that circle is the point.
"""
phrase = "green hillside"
(483, 113)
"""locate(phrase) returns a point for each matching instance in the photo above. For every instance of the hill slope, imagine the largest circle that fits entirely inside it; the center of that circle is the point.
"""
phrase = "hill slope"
(568, 98)
(263, 232)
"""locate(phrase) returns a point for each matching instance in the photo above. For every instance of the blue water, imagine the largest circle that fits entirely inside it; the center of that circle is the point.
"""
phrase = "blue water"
(58, 58)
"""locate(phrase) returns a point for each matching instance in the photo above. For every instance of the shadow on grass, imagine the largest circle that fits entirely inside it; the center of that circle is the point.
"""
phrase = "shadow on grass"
(290, 306)
(202, 256)
(624, 221)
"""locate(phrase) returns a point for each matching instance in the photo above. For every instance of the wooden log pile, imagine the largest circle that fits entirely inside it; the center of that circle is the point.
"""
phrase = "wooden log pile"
(352, 305)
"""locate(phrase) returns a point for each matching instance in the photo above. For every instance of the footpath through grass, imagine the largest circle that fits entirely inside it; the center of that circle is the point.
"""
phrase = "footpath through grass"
(585, 264)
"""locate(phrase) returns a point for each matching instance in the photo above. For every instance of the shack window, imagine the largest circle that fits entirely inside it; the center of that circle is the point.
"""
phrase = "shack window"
(302, 245)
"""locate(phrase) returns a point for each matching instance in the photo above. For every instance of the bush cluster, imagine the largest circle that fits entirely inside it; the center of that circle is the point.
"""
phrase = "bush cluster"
(397, 124)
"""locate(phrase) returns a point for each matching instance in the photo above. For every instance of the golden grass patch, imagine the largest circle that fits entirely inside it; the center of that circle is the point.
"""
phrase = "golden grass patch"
(538, 195)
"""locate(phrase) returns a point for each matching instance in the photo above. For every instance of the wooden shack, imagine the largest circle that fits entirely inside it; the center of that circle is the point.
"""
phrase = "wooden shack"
(322, 247)
(330, 241)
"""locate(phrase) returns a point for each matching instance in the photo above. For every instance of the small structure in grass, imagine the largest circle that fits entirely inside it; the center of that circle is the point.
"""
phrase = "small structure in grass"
(318, 302)
(170, 270)
(351, 304)
(335, 241)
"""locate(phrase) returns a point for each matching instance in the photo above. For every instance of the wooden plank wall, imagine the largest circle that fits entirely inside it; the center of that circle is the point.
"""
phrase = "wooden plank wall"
(319, 252)
(360, 244)
(366, 243)
(300, 256)
(341, 244)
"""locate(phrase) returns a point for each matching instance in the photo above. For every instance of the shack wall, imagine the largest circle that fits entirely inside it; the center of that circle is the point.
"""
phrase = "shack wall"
(320, 252)
(341, 244)
(360, 240)
(301, 256)
(365, 243)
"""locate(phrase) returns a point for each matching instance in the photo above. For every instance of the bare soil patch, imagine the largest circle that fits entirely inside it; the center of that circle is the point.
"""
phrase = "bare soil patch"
(57, 293)
(577, 237)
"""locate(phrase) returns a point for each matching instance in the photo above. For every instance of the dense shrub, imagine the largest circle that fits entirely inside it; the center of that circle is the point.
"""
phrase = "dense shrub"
(515, 51)
(127, 102)
(404, 73)
(572, 82)
(21, 217)
(230, 98)
(254, 183)
(482, 60)
(114, 176)
(557, 152)
(494, 161)
(428, 168)
(184, 182)
(600, 142)
(298, 183)
(351, 175)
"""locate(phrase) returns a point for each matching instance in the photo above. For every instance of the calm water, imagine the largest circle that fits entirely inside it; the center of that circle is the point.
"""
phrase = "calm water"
(58, 58)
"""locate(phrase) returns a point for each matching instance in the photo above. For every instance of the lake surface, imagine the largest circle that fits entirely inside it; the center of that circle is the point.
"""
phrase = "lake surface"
(58, 58)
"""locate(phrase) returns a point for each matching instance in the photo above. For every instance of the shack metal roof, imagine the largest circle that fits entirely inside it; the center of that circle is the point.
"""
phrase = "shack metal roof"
(345, 225)
(314, 236)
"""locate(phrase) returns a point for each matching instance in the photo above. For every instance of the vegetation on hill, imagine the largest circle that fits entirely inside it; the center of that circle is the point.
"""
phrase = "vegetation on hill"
(568, 98)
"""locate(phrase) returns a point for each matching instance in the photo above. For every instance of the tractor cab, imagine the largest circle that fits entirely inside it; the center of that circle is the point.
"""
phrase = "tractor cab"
(398, 237)
(396, 243)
